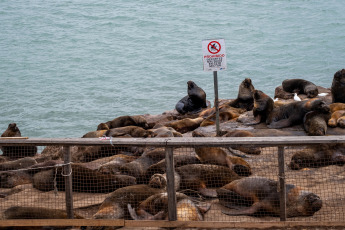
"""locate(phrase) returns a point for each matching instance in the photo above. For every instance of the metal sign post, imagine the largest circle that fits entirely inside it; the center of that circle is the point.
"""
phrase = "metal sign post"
(214, 59)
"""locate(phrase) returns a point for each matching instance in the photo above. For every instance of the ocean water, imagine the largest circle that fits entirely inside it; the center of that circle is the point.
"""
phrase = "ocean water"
(66, 66)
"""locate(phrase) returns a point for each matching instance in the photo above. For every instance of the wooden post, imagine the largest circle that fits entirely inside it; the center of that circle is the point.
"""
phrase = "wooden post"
(216, 102)
(170, 172)
(67, 172)
(282, 188)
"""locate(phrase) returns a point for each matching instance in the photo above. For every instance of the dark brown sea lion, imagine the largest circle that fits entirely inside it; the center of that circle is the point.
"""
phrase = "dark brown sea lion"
(300, 86)
(194, 102)
(338, 87)
(15, 152)
(263, 106)
(84, 180)
(18, 164)
(20, 212)
(243, 148)
(281, 94)
(155, 207)
(129, 131)
(123, 121)
(293, 113)
(318, 156)
(114, 165)
(333, 121)
(315, 123)
(226, 113)
(260, 196)
(115, 205)
(10, 179)
(186, 124)
(244, 98)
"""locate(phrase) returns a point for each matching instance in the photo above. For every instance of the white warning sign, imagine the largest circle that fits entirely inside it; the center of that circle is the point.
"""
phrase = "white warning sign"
(214, 55)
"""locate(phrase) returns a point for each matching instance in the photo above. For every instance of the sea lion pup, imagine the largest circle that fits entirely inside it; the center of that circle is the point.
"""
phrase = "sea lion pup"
(337, 106)
(263, 106)
(338, 87)
(260, 196)
(318, 156)
(84, 180)
(315, 123)
(14, 152)
(115, 205)
(293, 113)
(20, 212)
(244, 98)
(128, 131)
(138, 167)
(243, 148)
(123, 121)
(185, 125)
(18, 164)
(300, 86)
(194, 102)
(155, 207)
(333, 121)
(226, 113)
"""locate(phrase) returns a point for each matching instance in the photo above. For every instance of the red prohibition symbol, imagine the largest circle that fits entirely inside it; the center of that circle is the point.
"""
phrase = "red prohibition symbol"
(213, 47)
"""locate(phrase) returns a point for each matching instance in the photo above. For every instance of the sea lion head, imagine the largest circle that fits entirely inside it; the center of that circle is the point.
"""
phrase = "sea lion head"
(339, 77)
(311, 90)
(103, 126)
(317, 104)
(191, 85)
(247, 82)
(13, 127)
(310, 203)
(11, 131)
(158, 181)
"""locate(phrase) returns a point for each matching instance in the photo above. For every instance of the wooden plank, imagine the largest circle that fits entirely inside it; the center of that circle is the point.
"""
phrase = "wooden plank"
(62, 222)
(170, 172)
(67, 173)
(282, 188)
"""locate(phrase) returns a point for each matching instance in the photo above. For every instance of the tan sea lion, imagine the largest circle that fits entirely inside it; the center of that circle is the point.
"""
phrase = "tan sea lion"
(129, 131)
(244, 98)
(115, 205)
(260, 196)
(155, 207)
(185, 125)
(293, 113)
(163, 131)
(341, 122)
(315, 123)
(337, 106)
(333, 121)
(338, 87)
(20, 212)
(194, 102)
(123, 121)
(318, 156)
(14, 152)
(243, 148)
(95, 134)
(226, 113)
(300, 86)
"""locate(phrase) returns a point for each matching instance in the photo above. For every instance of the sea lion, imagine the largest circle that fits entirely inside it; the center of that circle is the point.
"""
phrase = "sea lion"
(115, 205)
(20, 212)
(14, 152)
(293, 113)
(260, 196)
(18, 164)
(10, 179)
(128, 131)
(163, 131)
(83, 180)
(263, 106)
(194, 102)
(123, 121)
(338, 87)
(318, 156)
(95, 134)
(243, 148)
(337, 106)
(113, 166)
(333, 121)
(185, 125)
(315, 123)
(138, 167)
(341, 122)
(226, 113)
(279, 93)
(244, 98)
(155, 207)
(300, 86)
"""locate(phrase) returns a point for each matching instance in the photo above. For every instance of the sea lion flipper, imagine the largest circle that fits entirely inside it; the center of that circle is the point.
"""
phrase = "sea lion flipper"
(132, 212)
(242, 211)
(208, 192)
(204, 207)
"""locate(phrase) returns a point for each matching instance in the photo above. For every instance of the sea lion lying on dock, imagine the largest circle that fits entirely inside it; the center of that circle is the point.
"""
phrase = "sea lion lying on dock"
(123, 121)
(260, 196)
(315, 123)
(300, 86)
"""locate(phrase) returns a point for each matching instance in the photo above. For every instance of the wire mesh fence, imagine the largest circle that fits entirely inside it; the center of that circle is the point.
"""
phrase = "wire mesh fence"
(195, 180)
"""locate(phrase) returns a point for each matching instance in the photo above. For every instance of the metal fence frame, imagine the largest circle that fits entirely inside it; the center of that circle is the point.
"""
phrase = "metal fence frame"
(170, 144)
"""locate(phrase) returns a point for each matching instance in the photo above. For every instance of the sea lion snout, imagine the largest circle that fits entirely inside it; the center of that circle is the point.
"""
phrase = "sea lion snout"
(313, 203)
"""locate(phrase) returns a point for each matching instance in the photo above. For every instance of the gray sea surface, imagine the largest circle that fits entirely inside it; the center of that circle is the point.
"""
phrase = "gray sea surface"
(66, 66)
